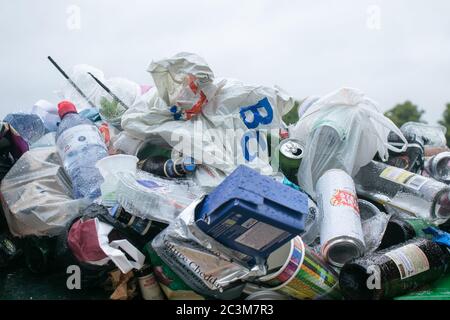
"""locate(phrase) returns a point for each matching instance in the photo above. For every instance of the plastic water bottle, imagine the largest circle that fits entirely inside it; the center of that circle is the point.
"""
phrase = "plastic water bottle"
(80, 145)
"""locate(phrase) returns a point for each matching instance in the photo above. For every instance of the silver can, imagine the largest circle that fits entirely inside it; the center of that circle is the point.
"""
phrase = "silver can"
(341, 234)
(438, 167)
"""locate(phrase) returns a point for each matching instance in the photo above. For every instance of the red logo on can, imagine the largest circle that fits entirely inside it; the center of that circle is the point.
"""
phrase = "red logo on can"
(345, 198)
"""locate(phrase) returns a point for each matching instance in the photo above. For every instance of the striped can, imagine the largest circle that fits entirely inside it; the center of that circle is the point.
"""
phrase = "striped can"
(303, 275)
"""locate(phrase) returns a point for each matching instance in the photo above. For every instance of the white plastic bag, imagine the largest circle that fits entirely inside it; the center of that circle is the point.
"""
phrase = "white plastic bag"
(231, 128)
(343, 130)
(184, 82)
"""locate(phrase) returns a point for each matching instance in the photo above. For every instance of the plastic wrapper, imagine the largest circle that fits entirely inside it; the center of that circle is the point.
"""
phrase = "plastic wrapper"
(79, 75)
(127, 91)
(154, 198)
(208, 177)
(343, 130)
(37, 195)
(184, 82)
(374, 224)
(205, 265)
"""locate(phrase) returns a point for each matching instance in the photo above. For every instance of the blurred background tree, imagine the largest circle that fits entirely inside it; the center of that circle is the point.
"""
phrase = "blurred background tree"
(446, 122)
(405, 112)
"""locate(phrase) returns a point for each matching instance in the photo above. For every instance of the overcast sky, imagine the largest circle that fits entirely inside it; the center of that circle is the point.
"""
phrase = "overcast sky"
(392, 50)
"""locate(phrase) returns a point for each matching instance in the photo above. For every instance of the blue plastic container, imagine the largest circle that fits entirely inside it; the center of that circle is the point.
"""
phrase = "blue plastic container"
(252, 213)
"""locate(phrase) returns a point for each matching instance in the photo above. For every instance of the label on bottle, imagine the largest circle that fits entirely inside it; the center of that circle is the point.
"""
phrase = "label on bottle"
(77, 138)
(150, 288)
(406, 178)
(410, 260)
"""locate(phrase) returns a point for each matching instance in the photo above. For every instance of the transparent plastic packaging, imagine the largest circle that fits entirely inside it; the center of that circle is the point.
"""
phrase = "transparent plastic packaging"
(374, 224)
(150, 197)
(37, 195)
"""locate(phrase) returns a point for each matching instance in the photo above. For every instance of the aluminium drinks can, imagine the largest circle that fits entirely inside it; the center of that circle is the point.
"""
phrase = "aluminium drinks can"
(341, 235)
(438, 167)
(291, 153)
(295, 270)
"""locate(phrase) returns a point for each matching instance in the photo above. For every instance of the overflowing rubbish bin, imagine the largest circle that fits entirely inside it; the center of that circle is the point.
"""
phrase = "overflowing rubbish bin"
(196, 188)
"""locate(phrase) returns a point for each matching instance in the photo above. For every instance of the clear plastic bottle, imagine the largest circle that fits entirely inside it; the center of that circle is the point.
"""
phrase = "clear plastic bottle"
(412, 193)
(80, 145)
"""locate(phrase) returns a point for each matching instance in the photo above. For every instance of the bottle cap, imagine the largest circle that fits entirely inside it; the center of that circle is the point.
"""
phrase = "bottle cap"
(65, 107)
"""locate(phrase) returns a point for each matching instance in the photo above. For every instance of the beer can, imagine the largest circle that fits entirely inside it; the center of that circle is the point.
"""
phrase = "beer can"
(150, 289)
(290, 156)
(295, 270)
(438, 167)
(341, 235)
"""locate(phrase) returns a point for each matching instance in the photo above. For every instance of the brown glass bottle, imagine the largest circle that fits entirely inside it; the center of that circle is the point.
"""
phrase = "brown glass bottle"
(394, 271)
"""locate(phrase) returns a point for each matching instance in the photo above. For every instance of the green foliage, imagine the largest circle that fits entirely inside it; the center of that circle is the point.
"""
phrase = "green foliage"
(292, 116)
(110, 109)
(405, 112)
(446, 122)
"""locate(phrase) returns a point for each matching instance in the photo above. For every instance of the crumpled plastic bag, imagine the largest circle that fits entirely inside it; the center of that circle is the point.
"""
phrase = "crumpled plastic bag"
(79, 75)
(184, 82)
(205, 265)
(89, 242)
(343, 130)
(229, 130)
(127, 91)
(37, 195)
(154, 198)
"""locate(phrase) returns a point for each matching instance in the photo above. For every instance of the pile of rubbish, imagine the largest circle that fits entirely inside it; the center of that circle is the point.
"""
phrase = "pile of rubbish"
(199, 188)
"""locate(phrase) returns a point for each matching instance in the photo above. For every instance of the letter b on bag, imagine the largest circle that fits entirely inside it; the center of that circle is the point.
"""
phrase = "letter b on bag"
(254, 112)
